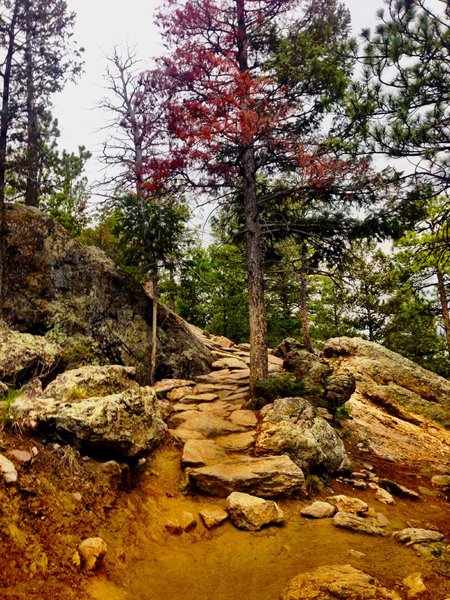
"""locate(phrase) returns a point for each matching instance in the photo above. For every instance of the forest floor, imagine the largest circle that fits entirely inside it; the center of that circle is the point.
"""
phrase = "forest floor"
(62, 498)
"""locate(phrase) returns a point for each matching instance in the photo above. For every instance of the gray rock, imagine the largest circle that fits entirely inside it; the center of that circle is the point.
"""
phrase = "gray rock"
(398, 490)
(8, 470)
(87, 304)
(24, 356)
(415, 535)
(267, 477)
(369, 525)
(252, 513)
(336, 582)
(125, 423)
(318, 510)
(292, 426)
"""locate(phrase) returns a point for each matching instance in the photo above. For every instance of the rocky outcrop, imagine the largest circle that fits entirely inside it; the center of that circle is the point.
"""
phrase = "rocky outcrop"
(388, 379)
(292, 426)
(74, 295)
(24, 356)
(336, 581)
(266, 477)
(126, 423)
(322, 387)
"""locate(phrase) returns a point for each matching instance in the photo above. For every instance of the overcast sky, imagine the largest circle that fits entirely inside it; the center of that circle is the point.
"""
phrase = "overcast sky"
(100, 25)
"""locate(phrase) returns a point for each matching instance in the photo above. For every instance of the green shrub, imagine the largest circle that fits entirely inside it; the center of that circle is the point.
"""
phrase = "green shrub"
(282, 386)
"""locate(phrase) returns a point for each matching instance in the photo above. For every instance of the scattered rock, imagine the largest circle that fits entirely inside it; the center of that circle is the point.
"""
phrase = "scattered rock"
(92, 551)
(213, 516)
(179, 393)
(125, 424)
(198, 453)
(318, 510)
(369, 525)
(8, 470)
(292, 426)
(252, 513)
(22, 456)
(229, 363)
(418, 536)
(384, 496)
(267, 477)
(187, 522)
(336, 581)
(349, 504)
(173, 527)
(441, 481)
(398, 490)
(357, 554)
(197, 398)
(415, 587)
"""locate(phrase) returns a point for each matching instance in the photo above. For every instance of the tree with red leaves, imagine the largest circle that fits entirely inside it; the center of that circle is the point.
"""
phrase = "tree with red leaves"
(245, 86)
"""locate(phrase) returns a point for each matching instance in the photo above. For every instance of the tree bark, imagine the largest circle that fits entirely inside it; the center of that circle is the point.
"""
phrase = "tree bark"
(444, 306)
(32, 185)
(304, 320)
(257, 308)
(4, 127)
(154, 338)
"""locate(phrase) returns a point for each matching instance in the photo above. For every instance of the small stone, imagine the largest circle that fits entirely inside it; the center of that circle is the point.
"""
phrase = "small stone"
(252, 513)
(415, 535)
(8, 470)
(441, 481)
(187, 521)
(76, 559)
(349, 504)
(357, 554)
(414, 585)
(92, 551)
(34, 451)
(399, 490)
(21, 456)
(369, 525)
(173, 527)
(318, 510)
(213, 516)
(384, 496)
(77, 496)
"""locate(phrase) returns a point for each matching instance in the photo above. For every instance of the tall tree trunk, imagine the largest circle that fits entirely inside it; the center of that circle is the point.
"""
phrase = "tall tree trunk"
(32, 187)
(444, 306)
(154, 339)
(4, 127)
(304, 319)
(257, 308)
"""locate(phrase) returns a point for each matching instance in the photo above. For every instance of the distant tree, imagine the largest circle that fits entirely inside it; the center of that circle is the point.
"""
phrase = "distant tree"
(401, 103)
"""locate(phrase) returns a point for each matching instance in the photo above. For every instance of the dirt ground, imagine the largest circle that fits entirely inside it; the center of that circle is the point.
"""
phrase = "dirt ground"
(61, 499)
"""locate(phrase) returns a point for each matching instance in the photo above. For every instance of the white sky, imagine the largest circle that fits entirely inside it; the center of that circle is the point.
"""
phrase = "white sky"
(101, 24)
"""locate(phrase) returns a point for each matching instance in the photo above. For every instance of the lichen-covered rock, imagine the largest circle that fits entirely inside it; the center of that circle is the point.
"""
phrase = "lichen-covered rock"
(268, 477)
(252, 513)
(126, 423)
(342, 582)
(76, 296)
(89, 381)
(390, 379)
(24, 356)
(8, 470)
(349, 504)
(416, 535)
(292, 426)
(369, 525)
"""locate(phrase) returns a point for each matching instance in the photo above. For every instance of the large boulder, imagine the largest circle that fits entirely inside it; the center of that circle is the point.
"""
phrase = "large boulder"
(126, 424)
(76, 296)
(292, 426)
(336, 582)
(268, 477)
(24, 356)
(387, 378)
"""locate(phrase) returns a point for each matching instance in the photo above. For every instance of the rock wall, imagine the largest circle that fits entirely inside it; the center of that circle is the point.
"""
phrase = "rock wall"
(76, 296)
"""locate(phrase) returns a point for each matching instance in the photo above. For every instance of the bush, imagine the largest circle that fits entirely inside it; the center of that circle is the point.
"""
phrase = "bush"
(282, 386)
